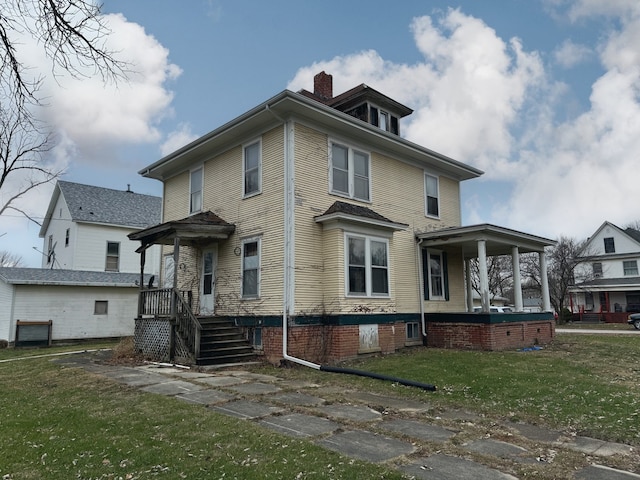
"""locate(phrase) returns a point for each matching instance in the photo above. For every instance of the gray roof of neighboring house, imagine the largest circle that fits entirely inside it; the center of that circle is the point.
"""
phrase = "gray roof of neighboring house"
(44, 276)
(601, 282)
(88, 203)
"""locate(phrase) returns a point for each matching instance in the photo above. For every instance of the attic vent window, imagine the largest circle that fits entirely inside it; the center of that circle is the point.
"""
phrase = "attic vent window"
(609, 245)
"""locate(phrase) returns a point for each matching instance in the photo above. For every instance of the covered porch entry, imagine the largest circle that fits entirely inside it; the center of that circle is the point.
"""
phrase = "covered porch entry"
(484, 329)
(177, 321)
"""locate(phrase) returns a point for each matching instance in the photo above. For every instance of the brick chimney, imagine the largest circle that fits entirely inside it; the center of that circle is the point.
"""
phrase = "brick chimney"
(323, 85)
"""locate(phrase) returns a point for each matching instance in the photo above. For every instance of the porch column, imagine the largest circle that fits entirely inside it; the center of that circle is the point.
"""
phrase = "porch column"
(546, 302)
(174, 303)
(143, 255)
(468, 279)
(517, 281)
(484, 276)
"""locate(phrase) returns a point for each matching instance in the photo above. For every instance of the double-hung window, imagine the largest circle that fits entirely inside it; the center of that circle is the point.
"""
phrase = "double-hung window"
(195, 187)
(435, 271)
(630, 268)
(113, 257)
(252, 164)
(367, 266)
(432, 195)
(350, 172)
(251, 268)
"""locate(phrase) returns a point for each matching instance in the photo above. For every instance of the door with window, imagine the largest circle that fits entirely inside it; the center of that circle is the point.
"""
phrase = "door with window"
(207, 292)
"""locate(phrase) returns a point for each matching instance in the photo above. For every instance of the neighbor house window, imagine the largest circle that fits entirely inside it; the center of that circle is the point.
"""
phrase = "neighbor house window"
(630, 267)
(101, 307)
(350, 172)
(436, 283)
(251, 268)
(195, 189)
(67, 236)
(252, 167)
(413, 331)
(113, 257)
(609, 245)
(50, 250)
(367, 266)
(597, 269)
(432, 195)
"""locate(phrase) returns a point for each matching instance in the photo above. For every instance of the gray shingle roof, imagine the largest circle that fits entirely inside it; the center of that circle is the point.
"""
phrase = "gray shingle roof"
(88, 203)
(44, 276)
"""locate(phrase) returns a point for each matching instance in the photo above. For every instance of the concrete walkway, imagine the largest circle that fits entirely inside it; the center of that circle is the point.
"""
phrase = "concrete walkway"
(404, 434)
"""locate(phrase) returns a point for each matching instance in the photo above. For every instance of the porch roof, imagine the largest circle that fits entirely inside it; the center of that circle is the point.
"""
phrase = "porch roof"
(499, 240)
(348, 212)
(199, 228)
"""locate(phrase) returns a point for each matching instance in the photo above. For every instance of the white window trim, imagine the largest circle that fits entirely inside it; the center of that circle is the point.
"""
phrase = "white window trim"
(429, 279)
(201, 168)
(107, 256)
(350, 171)
(426, 197)
(259, 279)
(244, 172)
(368, 281)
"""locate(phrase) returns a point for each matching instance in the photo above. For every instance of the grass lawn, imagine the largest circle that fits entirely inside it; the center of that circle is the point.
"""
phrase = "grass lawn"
(60, 423)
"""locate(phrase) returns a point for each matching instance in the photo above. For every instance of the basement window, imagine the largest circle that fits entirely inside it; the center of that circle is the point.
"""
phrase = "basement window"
(413, 332)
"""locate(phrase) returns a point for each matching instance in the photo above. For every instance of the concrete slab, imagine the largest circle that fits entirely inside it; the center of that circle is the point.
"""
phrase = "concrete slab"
(171, 388)
(163, 369)
(216, 381)
(297, 399)
(593, 446)
(134, 378)
(256, 377)
(459, 416)
(599, 472)
(418, 430)
(534, 432)
(389, 403)
(497, 448)
(206, 397)
(246, 410)
(299, 425)
(446, 467)
(366, 446)
(254, 388)
(191, 374)
(357, 413)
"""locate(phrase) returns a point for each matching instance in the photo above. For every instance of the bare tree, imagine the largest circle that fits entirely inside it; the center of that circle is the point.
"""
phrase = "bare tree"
(72, 34)
(563, 259)
(499, 273)
(8, 259)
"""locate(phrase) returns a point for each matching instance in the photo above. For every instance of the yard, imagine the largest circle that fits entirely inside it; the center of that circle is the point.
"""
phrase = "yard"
(59, 423)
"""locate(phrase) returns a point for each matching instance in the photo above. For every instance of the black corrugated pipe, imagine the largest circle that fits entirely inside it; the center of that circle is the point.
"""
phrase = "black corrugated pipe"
(360, 373)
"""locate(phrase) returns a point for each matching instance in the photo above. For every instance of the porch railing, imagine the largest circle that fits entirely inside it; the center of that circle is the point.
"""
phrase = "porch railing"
(159, 302)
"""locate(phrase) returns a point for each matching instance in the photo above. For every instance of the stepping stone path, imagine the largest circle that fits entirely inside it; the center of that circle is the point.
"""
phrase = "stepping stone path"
(374, 428)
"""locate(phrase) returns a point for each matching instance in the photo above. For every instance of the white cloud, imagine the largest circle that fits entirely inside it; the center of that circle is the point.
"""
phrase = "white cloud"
(178, 139)
(570, 54)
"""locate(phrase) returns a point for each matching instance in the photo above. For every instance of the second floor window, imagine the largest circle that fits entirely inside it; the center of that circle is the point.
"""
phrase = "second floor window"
(630, 268)
(597, 269)
(609, 245)
(251, 167)
(67, 237)
(113, 257)
(432, 195)
(195, 188)
(350, 172)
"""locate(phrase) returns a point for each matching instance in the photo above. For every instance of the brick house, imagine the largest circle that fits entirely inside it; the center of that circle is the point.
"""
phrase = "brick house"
(310, 224)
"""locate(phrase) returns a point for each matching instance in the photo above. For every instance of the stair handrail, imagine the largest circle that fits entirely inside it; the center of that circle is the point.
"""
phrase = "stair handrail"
(187, 325)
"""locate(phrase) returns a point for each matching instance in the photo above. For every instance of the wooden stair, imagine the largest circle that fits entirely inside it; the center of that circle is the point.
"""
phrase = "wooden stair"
(221, 342)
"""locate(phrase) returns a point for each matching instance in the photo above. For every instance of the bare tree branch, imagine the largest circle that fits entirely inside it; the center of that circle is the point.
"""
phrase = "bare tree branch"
(8, 259)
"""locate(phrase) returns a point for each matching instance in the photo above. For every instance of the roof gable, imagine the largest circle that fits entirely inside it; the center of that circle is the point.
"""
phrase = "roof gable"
(625, 241)
(91, 204)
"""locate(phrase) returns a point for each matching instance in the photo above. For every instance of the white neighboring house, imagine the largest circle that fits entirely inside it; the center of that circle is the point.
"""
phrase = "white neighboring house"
(89, 281)
(608, 280)
(86, 228)
(80, 304)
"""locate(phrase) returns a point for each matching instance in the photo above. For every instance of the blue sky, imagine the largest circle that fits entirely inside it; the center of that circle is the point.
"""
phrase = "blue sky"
(544, 96)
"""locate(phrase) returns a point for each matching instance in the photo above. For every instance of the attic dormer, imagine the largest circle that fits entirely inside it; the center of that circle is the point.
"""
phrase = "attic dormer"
(362, 102)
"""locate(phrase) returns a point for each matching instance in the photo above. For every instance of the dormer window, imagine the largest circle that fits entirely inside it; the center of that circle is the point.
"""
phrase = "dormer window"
(384, 120)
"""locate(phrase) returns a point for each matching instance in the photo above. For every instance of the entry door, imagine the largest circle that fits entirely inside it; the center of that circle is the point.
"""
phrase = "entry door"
(207, 293)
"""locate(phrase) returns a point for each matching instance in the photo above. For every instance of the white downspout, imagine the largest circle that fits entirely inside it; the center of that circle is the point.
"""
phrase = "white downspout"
(288, 303)
(421, 287)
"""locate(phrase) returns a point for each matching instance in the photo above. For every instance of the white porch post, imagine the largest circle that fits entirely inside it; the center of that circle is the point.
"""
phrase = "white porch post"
(546, 302)
(467, 269)
(484, 276)
(517, 280)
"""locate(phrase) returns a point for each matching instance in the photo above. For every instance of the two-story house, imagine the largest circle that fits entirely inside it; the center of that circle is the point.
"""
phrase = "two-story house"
(88, 284)
(607, 282)
(310, 222)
